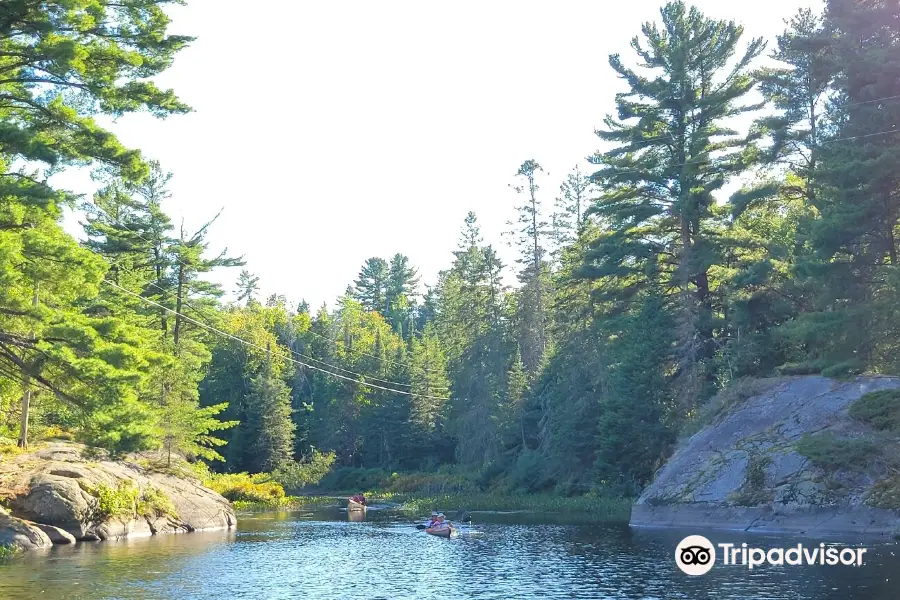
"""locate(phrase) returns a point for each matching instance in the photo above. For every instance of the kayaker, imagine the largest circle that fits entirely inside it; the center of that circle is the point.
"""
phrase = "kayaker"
(430, 521)
(441, 523)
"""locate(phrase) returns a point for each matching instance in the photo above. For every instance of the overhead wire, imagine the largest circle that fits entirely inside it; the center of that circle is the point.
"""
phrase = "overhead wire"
(258, 347)
(317, 335)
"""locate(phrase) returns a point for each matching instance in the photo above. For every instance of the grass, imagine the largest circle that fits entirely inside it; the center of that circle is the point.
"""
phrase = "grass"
(154, 503)
(829, 451)
(8, 448)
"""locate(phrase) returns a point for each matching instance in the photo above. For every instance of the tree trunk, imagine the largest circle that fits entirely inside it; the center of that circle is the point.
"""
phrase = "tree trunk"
(178, 303)
(26, 386)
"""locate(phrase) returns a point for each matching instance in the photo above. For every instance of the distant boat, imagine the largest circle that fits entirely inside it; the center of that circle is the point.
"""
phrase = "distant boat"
(355, 506)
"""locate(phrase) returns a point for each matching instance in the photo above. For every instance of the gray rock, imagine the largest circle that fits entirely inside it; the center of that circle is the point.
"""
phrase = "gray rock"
(61, 491)
(706, 483)
(57, 535)
(21, 534)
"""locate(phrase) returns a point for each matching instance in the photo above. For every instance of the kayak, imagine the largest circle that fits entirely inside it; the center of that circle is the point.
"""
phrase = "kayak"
(442, 532)
(351, 505)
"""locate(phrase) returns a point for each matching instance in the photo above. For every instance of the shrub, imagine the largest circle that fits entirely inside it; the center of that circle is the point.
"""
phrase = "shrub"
(880, 409)
(829, 451)
(297, 475)
(246, 488)
(7, 551)
(115, 502)
(753, 492)
(154, 503)
(885, 494)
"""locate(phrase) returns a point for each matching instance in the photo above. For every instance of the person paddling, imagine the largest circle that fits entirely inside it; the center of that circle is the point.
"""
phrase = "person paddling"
(430, 521)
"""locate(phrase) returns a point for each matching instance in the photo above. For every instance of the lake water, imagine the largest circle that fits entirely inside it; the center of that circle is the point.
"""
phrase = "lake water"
(322, 555)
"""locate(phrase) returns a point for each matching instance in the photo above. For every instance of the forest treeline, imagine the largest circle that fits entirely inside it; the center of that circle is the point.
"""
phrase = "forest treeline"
(642, 290)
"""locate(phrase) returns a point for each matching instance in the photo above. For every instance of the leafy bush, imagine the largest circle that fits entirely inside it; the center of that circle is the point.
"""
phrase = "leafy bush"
(297, 475)
(247, 488)
(829, 451)
(116, 502)
(885, 494)
(7, 551)
(880, 409)
(154, 503)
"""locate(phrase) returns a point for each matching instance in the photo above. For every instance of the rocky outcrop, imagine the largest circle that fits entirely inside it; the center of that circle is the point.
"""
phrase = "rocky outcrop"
(21, 534)
(70, 497)
(744, 471)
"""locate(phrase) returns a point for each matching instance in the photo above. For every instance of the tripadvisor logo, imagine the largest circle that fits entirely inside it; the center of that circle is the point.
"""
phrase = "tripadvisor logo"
(696, 555)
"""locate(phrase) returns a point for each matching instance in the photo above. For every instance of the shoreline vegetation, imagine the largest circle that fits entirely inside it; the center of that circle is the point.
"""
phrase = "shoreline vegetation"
(412, 493)
(588, 509)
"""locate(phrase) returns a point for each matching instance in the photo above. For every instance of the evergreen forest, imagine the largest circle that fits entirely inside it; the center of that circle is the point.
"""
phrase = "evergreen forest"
(644, 286)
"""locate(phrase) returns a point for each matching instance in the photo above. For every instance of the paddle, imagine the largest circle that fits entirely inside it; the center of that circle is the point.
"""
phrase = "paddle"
(420, 527)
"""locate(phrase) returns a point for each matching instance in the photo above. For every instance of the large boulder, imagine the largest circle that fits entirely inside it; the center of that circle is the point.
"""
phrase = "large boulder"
(20, 534)
(105, 499)
(744, 472)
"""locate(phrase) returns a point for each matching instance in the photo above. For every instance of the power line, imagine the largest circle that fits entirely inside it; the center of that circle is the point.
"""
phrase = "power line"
(312, 358)
(313, 333)
(258, 347)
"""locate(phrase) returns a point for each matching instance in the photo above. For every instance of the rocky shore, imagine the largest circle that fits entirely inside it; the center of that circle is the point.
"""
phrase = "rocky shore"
(59, 494)
(788, 457)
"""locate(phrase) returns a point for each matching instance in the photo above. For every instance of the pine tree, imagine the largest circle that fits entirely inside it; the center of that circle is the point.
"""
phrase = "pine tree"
(533, 230)
(247, 286)
(269, 428)
(672, 153)
(371, 285)
(400, 293)
(852, 237)
(52, 337)
(570, 207)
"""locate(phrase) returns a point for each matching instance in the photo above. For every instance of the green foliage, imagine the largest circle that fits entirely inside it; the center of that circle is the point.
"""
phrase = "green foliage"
(829, 451)
(247, 488)
(119, 502)
(879, 409)
(641, 296)
(297, 475)
(885, 494)
(754, 491)
(154, 503)
(7, 552)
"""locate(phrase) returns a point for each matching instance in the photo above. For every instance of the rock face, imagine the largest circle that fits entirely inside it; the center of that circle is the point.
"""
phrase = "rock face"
(68, 497)
(743, 472)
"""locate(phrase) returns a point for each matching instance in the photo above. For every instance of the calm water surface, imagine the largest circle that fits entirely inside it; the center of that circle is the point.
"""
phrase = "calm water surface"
(322, 555)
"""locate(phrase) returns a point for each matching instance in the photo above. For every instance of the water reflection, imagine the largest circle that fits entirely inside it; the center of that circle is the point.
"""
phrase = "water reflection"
(330, 555)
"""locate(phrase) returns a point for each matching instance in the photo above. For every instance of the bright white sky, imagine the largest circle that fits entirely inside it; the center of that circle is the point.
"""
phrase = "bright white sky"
(335, 131)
